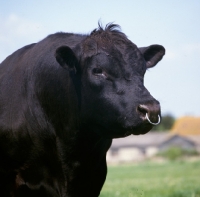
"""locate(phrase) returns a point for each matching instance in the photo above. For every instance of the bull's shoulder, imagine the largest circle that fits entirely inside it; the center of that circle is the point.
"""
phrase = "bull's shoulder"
(14, 57)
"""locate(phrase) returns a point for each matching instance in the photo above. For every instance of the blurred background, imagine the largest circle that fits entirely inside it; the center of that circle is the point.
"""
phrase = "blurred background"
(175, 81)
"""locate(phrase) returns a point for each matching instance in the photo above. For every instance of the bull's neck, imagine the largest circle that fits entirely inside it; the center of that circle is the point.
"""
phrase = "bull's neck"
(86, 144)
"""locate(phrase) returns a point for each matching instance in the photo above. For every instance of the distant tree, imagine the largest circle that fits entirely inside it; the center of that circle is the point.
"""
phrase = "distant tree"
(166, 123)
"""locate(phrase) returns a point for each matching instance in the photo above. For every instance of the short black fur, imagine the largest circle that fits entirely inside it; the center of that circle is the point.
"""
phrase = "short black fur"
(58, 117)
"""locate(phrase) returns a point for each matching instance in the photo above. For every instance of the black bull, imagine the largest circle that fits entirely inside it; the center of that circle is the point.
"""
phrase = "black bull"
(62, 100)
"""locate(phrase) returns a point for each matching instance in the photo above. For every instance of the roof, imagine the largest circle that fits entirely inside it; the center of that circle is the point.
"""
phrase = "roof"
(178, 140)
(194, 138)
(150, 139)
(187, 126)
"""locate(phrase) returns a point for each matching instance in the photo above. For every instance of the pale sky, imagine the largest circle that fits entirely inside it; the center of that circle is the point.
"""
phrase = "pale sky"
(175, 81)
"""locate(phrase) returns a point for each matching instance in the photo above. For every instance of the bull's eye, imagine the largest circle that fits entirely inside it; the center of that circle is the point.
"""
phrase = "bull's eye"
(99, 72)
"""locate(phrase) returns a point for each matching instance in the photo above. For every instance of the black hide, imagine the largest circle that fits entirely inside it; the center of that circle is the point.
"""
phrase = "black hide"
(62, 101)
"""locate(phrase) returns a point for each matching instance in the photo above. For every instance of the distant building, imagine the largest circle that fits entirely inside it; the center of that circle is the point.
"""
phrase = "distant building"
(138, 148)
(177, 141)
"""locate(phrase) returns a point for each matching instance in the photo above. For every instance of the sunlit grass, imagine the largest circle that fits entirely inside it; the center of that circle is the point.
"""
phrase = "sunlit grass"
(171, 179)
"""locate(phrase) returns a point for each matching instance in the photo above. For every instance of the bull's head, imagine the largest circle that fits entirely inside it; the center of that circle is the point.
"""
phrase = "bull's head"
(110, 68)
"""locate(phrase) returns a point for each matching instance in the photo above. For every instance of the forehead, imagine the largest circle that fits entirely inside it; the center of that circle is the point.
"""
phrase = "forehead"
(120, 63)
(114, 51)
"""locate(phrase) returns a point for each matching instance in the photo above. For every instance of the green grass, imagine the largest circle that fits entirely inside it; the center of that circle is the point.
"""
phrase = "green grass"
(170, 179)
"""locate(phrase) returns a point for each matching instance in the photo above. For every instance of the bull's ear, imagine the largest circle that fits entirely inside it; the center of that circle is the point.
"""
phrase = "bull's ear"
(66, 58)
(152, 54)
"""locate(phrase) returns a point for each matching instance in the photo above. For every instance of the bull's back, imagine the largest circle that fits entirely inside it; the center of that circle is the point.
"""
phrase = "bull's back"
(13, 60)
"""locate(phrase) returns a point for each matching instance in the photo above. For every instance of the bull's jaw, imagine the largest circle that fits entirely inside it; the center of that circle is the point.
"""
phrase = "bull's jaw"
(142, 129)
(139, 130)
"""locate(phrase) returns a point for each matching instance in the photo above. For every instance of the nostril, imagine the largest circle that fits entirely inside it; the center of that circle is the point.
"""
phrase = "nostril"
(150, 113)
(142, 110)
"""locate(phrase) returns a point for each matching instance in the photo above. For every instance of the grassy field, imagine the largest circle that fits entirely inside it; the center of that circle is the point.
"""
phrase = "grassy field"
(170, 179)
